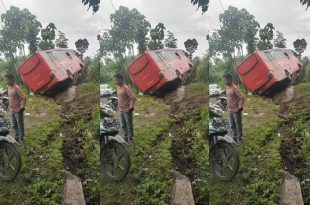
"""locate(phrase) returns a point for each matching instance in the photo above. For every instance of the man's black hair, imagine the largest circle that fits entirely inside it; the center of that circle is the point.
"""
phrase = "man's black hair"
(227, 76)
(10, 77)
(119, 77)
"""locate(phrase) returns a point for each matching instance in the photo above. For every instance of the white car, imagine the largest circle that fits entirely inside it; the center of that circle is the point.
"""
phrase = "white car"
(214, 90)
(105, 90)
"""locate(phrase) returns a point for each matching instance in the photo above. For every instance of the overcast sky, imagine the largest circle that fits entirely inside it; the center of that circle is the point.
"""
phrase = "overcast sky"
(179, 16)
(288, 16)
(69, 16)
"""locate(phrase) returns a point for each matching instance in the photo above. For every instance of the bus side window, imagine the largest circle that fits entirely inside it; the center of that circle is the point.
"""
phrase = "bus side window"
(177, 54)
(287, 55)
(68, 54)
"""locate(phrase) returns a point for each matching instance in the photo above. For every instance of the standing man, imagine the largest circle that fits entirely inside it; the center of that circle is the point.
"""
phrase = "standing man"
(126, 102)
(17, 101)
(235, 102)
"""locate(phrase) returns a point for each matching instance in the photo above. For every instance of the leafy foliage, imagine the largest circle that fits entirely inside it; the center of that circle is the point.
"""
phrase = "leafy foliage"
(191, 46)
(300, 46)
(279, 41)
(305, 70)
(266, 36)
(61, 41)
(203, 70)
(94, 4)
(157, 36)
(305, 3)
(170, 41)
(20, 26)
(94, 70)
(129, 27)
(48, 36)
(238, 27)
(81, 46)
(204, 4)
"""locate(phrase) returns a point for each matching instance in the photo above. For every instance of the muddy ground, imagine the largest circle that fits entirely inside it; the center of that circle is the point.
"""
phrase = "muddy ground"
(185, 106)
(76, 106)
(293, 107)
(182, 99)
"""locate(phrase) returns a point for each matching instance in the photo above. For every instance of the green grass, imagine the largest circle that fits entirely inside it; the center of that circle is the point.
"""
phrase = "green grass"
(259, 178)
(303, 88)
(197, 127)
(197, 88)
(297, 134)
(90, 88)
(88, 128)
(41, 178)
(150, 177)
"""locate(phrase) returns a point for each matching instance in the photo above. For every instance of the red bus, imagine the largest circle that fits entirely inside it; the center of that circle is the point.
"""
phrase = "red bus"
(45, 70)
(155, 70)
(264, 71)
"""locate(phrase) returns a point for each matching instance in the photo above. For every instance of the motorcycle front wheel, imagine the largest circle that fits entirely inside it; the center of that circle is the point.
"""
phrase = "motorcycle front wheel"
(10, 161)
(224, 161)
(115, 161)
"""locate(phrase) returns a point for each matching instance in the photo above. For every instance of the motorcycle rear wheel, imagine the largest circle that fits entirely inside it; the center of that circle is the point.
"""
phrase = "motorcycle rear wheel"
(224, 161)
(10, 161)
(115, 161)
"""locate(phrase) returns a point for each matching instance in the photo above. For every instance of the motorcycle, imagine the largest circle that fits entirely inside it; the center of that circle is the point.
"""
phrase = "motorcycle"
(10, 160)
(4, 100)
(113, 102)
(222, 100)
(224, 157)
(114, 155)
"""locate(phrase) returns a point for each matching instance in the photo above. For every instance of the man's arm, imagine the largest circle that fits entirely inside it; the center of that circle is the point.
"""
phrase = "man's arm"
(241, 98)
(22, 96)
(132, 98)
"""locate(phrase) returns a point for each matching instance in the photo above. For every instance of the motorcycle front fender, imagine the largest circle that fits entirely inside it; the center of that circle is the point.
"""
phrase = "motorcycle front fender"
(8, 138)
(226, 138)
(117, 138)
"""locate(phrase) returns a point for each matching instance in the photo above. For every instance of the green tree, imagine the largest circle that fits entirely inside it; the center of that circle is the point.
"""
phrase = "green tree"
(61, 41)
(204, 4)
(33, 27)
(266, 36)
(300, 46)
(305, 69)
(202, 70)
(141, 29)
(279, 41)
(142, 41)
(19, 27)
(129, 27)
(157, 36)
(94, 4)
(109, 45)
(81, 46)
(48, 36)
(238, 27)
(171, 41)
(191, 46)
